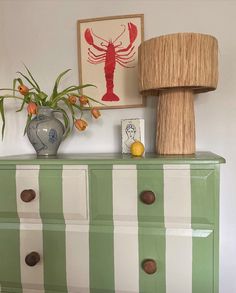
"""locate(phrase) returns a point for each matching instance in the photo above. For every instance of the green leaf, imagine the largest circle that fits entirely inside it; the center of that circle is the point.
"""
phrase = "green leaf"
(66, 121)
(14, 84)
(48, 103)
(74, 94)
(27, 123)
(37, 86)
(7, 89)
(78, 107)
(22, 106)
(95, 101)
(54, 94)
(26, 99)
(19, 80)
(36, 98)
(42, 96)
(79, 87)
(69, 106)
(29, 81)
(2, 115)
(73, 88)
(69, 90)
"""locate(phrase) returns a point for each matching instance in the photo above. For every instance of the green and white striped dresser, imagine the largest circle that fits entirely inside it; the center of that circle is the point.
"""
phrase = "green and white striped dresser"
(109, 223)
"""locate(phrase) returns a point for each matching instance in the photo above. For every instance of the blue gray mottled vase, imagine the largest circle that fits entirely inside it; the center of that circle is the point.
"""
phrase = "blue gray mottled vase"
(45, 132)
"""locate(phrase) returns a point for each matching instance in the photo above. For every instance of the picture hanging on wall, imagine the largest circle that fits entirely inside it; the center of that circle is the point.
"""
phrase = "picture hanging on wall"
(108, 59)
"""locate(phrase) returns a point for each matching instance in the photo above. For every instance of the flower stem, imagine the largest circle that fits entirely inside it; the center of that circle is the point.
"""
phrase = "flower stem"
(13, 97)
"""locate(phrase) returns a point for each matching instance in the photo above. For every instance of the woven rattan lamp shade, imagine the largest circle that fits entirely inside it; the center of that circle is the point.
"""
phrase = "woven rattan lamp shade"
(174, 67)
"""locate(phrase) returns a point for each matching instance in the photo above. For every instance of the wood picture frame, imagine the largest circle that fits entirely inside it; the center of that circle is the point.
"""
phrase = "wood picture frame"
(108, 59)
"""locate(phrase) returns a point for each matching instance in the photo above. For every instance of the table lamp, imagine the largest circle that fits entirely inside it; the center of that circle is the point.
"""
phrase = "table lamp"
(174, 67)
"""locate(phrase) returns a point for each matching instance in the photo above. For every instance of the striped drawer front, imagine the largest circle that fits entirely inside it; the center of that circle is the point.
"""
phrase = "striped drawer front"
(61, 194)
(183, 196)
(93, 233)
(79, 259)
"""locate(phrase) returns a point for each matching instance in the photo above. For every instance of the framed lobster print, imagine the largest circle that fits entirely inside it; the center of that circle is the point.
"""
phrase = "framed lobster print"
(108, 59)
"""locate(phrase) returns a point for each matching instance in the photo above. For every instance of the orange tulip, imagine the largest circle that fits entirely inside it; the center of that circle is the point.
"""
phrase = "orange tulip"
(80, 124)
(32, 108)
(72, 99)
(23, 89)
(83, 100)
(95, 112)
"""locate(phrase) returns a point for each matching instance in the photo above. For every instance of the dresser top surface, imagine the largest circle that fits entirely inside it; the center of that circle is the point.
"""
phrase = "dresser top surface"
(114, 158)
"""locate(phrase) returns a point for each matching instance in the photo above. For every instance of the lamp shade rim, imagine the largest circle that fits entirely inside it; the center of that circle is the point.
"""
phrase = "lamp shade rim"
(194, 89)
(179, 34)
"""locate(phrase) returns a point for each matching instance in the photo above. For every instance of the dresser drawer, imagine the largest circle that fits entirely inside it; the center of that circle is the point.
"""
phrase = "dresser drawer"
(44, 258)
(32, 193)
(184, 260)
(105, 259)
(172, 196)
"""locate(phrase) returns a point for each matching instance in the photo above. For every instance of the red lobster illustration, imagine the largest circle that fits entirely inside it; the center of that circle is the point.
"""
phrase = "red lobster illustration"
(111, 54)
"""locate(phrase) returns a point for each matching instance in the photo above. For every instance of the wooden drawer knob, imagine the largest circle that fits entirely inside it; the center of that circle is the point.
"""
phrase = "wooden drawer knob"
(32, 258)
(149, 266)
(28, 195)
(148, 197)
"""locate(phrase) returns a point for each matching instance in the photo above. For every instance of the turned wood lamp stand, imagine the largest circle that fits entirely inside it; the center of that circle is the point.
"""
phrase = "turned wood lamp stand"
(175, 67)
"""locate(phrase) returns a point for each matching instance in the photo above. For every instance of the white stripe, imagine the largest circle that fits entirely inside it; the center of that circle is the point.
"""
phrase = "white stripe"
(178, 264)
(77, 258)
(188, 232)
(124, 167)
(32, 291)
(27, 179)
(75, 167)
(31, 277)
(31, 238)
(177, 195)
(29, 226)
(126, 261)
(75, 193)
(28, 167)
(177, 210)
(75, 209)
(176, 167)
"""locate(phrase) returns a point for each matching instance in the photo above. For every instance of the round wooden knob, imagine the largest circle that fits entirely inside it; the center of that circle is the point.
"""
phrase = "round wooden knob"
(32, 258)
(148, 197)
(149, 266)
(28, 195)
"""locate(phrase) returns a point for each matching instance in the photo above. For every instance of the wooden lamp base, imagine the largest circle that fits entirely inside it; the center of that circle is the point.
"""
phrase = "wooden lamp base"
(175, 122)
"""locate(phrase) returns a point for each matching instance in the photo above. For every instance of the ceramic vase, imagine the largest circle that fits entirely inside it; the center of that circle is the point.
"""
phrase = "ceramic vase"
(46, 132)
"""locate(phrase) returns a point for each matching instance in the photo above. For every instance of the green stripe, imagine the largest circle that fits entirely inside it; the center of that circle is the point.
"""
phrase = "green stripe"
(10, 275)
(203, 264)
(9, 233)
(152, 239)
(101, 240)
(217, 227)
(203, 193)
(202, 247)
(50, 186)
(8, 204)
(51, 207)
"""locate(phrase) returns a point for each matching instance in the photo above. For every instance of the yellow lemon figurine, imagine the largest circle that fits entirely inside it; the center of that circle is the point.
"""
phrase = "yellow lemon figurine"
(137, 148)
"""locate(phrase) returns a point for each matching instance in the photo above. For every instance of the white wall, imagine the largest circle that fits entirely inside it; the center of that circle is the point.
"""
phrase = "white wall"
(42, 34)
